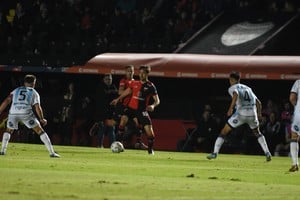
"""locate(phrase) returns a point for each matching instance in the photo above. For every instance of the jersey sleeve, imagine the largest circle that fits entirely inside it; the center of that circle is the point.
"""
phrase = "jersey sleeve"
(231, 90)
(154, 90)
(295, 87)
(12, 93)
(253, 94)
(35, 98)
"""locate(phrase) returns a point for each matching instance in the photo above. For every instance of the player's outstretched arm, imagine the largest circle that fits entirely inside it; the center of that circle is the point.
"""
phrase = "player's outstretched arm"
(124, 94)
(40, 114)
(232, 104)
(258, 108)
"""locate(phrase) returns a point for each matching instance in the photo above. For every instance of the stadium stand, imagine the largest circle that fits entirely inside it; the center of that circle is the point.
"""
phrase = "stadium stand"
(53, 34)
(65, 33)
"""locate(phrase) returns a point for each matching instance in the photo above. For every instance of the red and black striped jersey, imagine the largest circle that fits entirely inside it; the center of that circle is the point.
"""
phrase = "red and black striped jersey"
(141, 94)
(124, 82)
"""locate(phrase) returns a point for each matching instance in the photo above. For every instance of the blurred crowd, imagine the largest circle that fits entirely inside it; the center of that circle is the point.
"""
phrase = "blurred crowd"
(69, 32)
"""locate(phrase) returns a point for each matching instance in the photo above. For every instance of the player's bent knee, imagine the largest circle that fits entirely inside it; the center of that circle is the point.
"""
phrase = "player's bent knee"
(257, 134)
(10, 131)
(38, 130)
(294, 136)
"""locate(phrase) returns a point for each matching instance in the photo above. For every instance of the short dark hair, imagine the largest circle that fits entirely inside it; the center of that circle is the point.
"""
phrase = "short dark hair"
(129, 66)
(146, 68)
(235, 75)
(29, 78)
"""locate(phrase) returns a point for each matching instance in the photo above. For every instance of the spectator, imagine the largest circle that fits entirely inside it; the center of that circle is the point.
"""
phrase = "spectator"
(273, 129)
(282, 148)
(270, 107)
(286, 113)
(83, 122)
(202, 137)
(105, 112)
(67, 114)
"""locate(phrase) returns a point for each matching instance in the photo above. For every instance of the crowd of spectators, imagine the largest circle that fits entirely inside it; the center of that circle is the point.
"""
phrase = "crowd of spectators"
(69, 32)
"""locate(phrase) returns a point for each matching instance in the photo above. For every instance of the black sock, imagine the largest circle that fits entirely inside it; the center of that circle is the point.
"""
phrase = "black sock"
(150, 143)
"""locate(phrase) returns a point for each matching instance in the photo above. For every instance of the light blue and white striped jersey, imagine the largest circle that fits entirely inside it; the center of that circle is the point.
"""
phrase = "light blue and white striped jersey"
(246, 101)
(23, 98)
(296, 89)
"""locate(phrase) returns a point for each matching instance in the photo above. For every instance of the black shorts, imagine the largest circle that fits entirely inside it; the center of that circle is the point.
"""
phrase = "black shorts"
(142, 116)
(107, 113)
(120, 110)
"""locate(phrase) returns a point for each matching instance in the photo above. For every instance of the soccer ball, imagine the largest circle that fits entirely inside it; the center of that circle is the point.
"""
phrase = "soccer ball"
(117, 147)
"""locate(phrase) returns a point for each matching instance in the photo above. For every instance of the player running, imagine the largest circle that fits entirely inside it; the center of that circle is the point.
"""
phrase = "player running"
(247, 110)
(141, 91)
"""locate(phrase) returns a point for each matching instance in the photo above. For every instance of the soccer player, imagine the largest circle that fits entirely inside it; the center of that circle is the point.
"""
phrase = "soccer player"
(121, 108)
(141, 91)
(295, 132)
(247, 110)
(23, 100)
(124, 82)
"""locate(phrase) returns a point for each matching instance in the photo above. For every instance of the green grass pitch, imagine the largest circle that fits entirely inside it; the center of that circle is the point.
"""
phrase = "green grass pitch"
(27, 172)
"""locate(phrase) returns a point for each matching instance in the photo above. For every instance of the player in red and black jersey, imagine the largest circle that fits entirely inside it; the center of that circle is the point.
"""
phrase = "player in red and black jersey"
(122, 104)
(124, 83)
(141, 92)
(120, 115)
(122, 119)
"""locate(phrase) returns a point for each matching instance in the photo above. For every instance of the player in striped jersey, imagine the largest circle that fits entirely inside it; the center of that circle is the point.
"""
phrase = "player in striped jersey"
(295, 133)
(23, 100)
(142, 91)
(247, 110)
(121, 108)
(120, 118)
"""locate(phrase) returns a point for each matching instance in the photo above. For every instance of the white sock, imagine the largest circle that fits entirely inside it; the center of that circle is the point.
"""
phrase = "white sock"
(262, 141)
(5, 140)
(294, 148)
(46, 140)
(218, 144)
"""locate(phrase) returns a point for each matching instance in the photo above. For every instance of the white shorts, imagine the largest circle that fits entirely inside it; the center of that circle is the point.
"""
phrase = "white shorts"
(237, 120)
(29, 120)
(296, 124)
